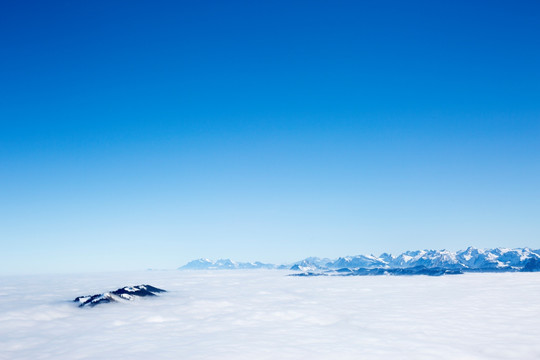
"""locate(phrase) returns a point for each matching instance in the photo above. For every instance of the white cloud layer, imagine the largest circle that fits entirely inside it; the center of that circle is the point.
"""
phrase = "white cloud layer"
(264, 314)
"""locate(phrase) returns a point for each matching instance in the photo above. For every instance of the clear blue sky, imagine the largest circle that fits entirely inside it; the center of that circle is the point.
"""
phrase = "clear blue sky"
(145, 134)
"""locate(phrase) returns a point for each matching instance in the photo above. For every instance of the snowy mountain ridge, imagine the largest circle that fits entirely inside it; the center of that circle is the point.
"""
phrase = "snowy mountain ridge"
(470, 259)
(127, 293)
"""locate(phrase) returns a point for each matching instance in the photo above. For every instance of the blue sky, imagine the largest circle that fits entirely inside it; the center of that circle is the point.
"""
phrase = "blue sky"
(145, 134)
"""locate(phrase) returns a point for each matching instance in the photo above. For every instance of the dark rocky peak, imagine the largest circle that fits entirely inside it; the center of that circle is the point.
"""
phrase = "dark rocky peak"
(126, 293)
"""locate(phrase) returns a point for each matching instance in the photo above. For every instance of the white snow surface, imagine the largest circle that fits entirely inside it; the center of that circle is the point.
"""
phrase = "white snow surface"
(264, 314)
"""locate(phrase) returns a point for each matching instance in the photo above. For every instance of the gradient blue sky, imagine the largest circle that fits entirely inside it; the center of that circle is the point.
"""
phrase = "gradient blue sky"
(145, 134)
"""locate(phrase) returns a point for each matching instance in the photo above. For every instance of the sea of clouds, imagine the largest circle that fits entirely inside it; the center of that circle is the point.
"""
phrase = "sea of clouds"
(265, 314)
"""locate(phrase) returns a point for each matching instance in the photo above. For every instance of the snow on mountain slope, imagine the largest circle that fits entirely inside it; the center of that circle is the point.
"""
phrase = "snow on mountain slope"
(359, 261)
(310, 264)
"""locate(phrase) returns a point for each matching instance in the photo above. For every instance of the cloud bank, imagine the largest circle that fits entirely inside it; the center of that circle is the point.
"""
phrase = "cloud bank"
(264, 314)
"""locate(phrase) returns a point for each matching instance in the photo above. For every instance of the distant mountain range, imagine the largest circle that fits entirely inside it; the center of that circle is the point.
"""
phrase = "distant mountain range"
(428, 262)
(225, 264)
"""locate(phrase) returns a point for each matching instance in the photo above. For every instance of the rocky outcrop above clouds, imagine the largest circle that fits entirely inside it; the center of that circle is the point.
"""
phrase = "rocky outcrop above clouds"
(128, 293)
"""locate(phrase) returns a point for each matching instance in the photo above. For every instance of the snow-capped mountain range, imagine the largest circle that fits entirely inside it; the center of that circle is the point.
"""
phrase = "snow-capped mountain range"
(221, 264)
(471, 259)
